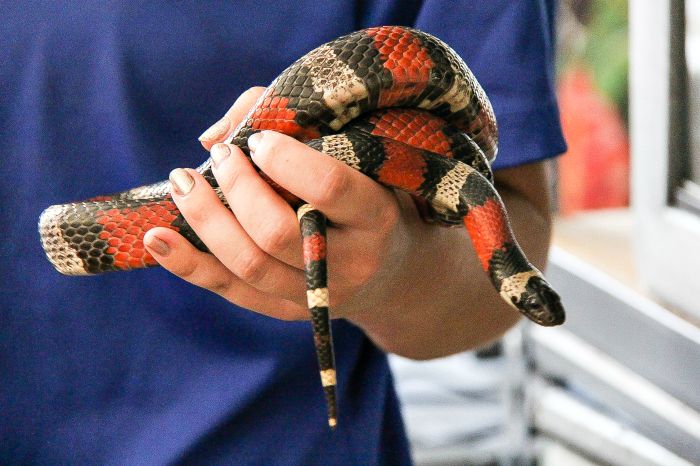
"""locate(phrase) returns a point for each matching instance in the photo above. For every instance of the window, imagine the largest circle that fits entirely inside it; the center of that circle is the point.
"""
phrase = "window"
(665, 120)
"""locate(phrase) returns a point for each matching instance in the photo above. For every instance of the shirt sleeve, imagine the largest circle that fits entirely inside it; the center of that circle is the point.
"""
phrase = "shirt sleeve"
(509, 46)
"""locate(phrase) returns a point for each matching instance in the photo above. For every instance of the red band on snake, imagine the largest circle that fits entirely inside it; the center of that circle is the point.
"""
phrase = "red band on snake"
(395, 103)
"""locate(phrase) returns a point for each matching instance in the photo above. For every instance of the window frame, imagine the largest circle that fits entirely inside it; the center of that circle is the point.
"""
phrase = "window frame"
(667, 245)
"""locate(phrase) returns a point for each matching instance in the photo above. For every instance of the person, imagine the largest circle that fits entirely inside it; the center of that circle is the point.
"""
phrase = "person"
(142, 367)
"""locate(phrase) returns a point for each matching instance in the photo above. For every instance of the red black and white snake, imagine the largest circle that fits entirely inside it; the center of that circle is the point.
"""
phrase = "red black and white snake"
(396, 104)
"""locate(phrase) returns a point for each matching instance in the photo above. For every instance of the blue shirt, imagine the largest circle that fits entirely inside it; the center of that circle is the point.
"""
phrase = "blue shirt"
(141, 367)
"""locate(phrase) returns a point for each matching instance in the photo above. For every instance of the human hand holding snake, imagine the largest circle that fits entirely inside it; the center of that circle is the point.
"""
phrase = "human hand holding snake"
(400, 263)
(255, 260)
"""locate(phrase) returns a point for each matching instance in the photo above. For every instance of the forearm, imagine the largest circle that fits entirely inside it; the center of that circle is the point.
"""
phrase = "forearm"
(449, 305)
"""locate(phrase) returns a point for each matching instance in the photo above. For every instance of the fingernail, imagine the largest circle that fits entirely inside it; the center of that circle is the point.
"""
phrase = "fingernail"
(159, 246)
(216, 131)
(254, 141)
(219, 152)
(181, 181)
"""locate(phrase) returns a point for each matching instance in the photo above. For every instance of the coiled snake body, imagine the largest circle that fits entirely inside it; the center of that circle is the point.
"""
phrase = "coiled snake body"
(395, 103)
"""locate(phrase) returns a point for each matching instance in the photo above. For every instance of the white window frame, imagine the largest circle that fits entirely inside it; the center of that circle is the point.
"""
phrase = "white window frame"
(668, 238)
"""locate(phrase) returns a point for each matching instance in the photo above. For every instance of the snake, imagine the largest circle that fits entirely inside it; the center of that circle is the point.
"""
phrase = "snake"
(393, 102)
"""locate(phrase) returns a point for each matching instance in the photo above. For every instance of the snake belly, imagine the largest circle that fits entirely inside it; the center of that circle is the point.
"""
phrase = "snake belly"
(395, 103)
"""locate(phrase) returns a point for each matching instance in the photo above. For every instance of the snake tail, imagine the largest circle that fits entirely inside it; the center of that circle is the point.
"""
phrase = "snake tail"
(313, 232)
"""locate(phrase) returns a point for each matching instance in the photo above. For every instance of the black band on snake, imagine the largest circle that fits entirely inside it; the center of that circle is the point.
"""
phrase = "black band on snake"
(394, 103)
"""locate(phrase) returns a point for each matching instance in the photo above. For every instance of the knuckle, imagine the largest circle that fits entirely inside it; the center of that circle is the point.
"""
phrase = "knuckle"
(335, 183)
(275, 239)
(368, 270)
(228, 181)
(363, 271)
(254, 91)
(195, 270)
(268, 147)
(388, 216)
(242, 105)
(219, 285)
(186, 270)
(249, 94)
(196, 216)
(250, 266)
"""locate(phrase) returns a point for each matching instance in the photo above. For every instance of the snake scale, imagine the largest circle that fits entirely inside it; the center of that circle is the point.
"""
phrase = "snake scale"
(393, 102)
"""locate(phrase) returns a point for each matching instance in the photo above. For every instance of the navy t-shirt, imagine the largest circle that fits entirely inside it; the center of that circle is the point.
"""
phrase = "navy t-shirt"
(141, 367)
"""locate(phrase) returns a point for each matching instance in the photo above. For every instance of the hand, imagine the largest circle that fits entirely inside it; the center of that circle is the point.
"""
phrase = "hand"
(415, 289)
(256, 259)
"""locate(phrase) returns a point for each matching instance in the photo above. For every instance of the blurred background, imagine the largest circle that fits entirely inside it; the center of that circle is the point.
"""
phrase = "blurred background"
(620, 382)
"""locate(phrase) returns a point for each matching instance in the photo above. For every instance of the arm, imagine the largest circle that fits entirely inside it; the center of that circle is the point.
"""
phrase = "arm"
(391, 274)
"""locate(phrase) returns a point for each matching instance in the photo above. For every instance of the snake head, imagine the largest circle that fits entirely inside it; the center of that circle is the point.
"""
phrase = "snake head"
(530, 294)
(541, 303)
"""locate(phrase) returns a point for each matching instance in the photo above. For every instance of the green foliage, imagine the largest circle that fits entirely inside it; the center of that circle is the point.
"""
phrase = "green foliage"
(606, 49)
(600, 45)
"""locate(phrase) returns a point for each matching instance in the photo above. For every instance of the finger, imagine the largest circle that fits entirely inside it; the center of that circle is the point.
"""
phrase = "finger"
(223, 128)
(344, 194)
(263, 213)
(178, 256)
(217, 227)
